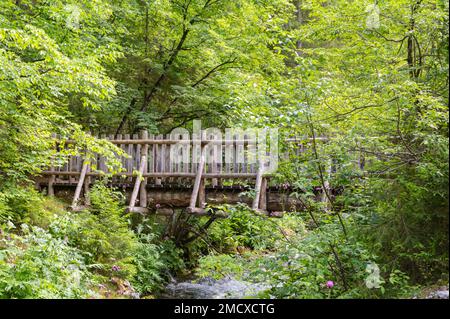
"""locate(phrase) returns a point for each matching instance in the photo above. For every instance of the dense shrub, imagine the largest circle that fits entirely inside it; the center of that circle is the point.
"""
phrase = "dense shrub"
(245, 228)
(102, 233)
(156, 259)
(23, 204)
(37, 265)
(305, 260)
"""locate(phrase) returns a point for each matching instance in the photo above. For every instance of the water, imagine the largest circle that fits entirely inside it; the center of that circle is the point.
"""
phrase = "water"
(212, 289)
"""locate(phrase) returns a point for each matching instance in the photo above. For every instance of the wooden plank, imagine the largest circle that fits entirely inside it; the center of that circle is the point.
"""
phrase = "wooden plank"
(135, 154)
(235, 157)
(228, 157)
(158, 181)
(196, 150)
(251, 151)
(168, 164)
(164, 175)
(151, 162)
(215, 163)
(186, 165)
(161, 141)
(176, 165)
(164, 152)
(137, 158)
(129, 151)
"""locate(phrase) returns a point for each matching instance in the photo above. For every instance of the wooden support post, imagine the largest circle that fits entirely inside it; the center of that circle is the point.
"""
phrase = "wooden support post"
(202, 194)
(80, 184)
(138, 181)
(198, 179)
(143, 188)
(263, 195)
(258, 184)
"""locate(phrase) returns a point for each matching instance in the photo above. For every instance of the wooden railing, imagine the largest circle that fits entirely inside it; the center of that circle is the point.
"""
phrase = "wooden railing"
(158, 166)
(149, 157)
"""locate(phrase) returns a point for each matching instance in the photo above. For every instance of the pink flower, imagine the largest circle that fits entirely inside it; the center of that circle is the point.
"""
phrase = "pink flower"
(115, 268)
(330, 284)
(157, 206)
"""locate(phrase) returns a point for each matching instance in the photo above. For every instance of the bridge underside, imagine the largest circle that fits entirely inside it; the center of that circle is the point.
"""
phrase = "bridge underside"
(162, 199)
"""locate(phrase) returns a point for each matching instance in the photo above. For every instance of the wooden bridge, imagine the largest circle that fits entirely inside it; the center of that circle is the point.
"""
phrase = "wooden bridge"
(213, 171)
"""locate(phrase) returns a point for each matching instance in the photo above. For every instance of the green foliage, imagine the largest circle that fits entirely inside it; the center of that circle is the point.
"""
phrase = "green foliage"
(37, 265)
(149, 266)
(43, 68)
(309, 68)
(243, 227)
(155, 259)
(79, 250)
(23, 204)
(302, 266)
(408, 226)
(219, 266)
(102, 233)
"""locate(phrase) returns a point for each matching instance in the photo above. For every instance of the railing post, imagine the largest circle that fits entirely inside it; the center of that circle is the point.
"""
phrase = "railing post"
(263, 195)
(158, 162)
(143, 188)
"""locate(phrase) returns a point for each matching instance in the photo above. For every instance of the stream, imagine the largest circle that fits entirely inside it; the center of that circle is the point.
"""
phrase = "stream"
(225, 288)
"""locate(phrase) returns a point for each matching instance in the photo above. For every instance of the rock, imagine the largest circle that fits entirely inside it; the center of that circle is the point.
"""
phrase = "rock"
(438, 294)
(276, 214)
(442, 294)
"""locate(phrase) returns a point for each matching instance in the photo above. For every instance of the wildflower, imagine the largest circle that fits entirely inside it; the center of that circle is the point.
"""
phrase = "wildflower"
(157, 206)
(115, 268)
(330, 284)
